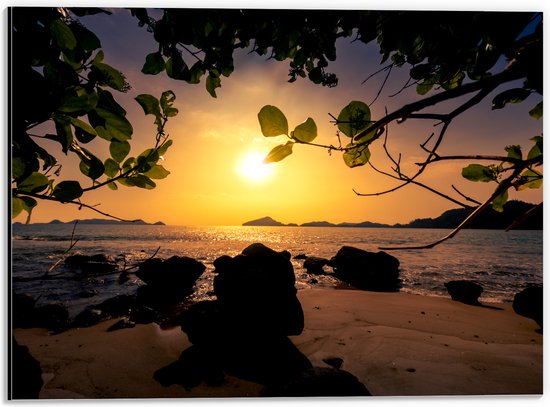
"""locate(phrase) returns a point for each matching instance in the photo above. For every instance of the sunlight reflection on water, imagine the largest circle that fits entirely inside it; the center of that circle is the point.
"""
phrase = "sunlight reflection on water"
(503, 262)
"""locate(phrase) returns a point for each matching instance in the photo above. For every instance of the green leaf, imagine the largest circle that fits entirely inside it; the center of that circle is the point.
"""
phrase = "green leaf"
(499, 201)
(514, 151)
(272, 121)
(149, 104)
(536, 150)
(166, 101)
(67, 191)
(111, 167)
(536, 112)
(213, 82)
(23, 203)
(83, 131)
(36, 182)
(154, 64)
(63, 35)
(119, 150)
(16, 207)
(92, 167)
(306, 132)
(116, 126)
(357, 155)
(17, 167)
(531, 179)
(164, 147)
(157, 172)
(478, 173)
(147, 159)
(354, 118)
(112, 185)
(79, 103)
(129, 164)
(139, 180)
(111, 76)
(515, 95)
(424, 87)
(279, 152)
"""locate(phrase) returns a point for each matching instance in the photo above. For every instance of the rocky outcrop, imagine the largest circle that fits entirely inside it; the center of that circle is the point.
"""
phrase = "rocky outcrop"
(529, 303)
(465, 291)
(244, 331)
(366, 270)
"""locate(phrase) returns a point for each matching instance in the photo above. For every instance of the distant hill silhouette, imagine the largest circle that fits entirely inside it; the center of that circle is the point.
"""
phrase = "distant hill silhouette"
(97, 222)
(265, 221)
(488, 219)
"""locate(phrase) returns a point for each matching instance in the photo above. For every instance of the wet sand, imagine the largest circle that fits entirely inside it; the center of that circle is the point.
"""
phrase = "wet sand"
(396, 344)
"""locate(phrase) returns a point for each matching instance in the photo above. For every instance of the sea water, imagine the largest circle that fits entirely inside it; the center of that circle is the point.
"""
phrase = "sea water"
(502, 262)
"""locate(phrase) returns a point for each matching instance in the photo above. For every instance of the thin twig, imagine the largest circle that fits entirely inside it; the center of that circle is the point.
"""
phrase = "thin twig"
(73, 244)
(469, 199)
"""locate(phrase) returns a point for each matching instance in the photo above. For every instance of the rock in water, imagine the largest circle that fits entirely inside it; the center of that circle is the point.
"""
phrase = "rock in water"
(464, 291)
(256, 291)
(529, 303)
(173, 278)
(366, 270)
(314, 265)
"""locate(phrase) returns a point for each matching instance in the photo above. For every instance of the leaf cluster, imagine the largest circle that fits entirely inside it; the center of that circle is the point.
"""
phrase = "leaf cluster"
(59, 76)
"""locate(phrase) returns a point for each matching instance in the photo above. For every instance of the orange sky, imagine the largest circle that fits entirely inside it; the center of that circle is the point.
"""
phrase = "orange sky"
(212, 137)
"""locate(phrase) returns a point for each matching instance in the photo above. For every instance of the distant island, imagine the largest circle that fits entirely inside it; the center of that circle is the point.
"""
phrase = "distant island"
(488, 219)
(97, 222)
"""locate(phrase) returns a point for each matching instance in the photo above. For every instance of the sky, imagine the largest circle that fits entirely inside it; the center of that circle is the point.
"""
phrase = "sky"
(213, 181)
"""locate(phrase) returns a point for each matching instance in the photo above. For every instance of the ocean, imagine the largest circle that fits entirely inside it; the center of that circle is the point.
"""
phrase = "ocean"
(502, 262)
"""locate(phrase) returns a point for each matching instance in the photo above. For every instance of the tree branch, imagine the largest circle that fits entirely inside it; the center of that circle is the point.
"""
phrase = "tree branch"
(81, 204)
(502, 187)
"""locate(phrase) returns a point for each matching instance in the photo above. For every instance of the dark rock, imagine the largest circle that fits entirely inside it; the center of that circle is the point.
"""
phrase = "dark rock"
(170, 279)
(142, 314)
(300, 256)
(196, 364)
(26, 374)
(204, 323)
(529, 303)
(256, 290)
(464, 291)
(366, 270)
(320, 382)
(23, 311)
(53, 317)
(269, 361)
(314, 265)
(118, 306)
(335, 362)
(89, 317)
(124, 323)
(95, 264)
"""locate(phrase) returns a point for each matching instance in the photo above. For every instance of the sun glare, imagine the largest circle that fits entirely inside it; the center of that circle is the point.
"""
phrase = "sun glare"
(251, 167)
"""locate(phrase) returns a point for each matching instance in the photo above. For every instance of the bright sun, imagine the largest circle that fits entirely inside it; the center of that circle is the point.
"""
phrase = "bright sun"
(251, 167)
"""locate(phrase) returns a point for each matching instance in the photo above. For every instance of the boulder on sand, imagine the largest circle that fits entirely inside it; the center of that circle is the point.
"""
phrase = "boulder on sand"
(366, 270)
(465, 291)
(529, 303)
(257, 293)
(314, 265)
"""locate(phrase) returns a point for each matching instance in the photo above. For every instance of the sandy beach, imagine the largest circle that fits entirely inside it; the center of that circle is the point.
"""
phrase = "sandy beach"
(396, 344)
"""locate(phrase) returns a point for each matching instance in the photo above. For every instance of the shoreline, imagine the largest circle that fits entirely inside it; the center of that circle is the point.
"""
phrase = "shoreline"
(396, 344)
